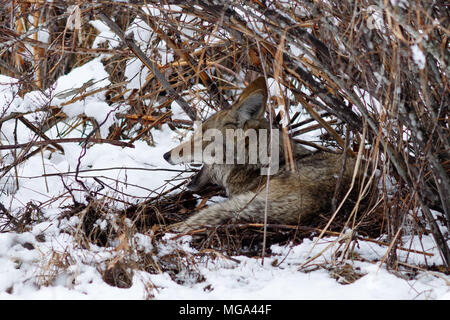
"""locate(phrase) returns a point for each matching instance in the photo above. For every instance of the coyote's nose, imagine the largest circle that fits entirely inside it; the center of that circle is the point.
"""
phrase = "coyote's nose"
(166, 156)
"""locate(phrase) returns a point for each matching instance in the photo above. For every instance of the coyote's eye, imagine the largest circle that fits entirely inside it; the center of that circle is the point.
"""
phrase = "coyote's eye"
(230, 125)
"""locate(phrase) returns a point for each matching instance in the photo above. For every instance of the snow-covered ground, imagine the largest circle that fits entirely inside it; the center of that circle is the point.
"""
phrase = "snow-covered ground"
(48, 262)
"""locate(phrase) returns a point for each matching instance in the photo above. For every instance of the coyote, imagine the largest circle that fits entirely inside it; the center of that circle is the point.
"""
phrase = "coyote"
(293, 197)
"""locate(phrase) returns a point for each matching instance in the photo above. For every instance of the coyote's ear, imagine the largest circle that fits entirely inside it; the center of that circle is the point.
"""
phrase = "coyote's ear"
(252, 102)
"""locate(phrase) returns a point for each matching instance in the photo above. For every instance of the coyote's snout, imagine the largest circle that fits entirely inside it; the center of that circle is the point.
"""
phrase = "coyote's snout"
(238, 148)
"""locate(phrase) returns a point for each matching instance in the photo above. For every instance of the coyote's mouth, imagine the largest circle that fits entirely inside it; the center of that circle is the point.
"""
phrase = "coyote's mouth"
(196, 183)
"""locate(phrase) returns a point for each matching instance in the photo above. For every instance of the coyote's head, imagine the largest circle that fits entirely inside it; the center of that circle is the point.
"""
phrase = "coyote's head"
(238, 136)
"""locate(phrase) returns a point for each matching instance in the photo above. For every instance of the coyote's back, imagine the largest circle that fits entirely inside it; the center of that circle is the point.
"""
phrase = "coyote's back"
(293, 196)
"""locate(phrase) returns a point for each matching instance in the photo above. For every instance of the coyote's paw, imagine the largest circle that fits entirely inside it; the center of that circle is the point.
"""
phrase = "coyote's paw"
(174, 227)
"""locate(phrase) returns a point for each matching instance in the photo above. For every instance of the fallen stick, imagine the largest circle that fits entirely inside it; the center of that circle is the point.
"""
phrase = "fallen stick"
(66, 140)
(149, 64)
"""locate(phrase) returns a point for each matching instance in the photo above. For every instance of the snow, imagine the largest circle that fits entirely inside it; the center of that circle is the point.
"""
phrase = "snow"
(23, 273)
(9, 100)
(371, 103)
(47, 261)
(375, 19)
(404, 4)
(93, 71)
